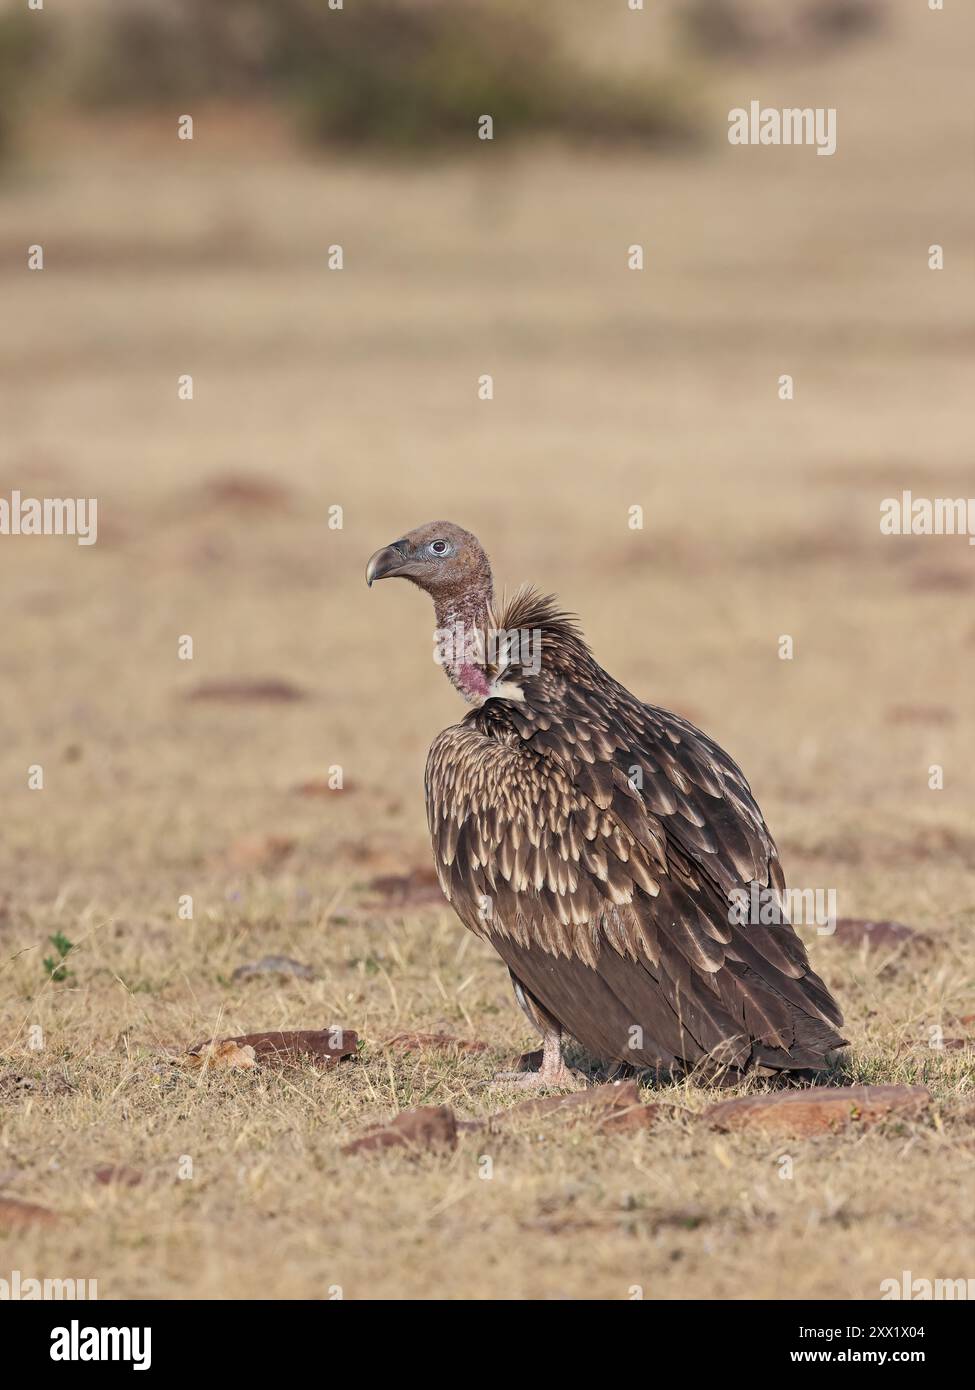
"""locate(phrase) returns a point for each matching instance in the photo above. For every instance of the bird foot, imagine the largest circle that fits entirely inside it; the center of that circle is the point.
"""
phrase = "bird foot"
(560, 1079)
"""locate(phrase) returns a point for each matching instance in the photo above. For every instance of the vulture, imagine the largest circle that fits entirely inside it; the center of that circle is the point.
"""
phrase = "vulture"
(601, 845)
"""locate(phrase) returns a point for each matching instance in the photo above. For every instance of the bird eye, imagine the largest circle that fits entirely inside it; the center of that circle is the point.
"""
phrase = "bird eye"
(439, 547)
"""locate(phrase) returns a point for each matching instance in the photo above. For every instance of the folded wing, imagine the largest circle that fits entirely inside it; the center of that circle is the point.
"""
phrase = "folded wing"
(595, 841)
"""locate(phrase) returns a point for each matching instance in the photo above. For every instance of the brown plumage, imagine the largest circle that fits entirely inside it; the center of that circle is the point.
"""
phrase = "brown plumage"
(594, 840)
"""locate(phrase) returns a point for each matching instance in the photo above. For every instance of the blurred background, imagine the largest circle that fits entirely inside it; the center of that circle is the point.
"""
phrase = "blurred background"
(316, 388)
(357, 389)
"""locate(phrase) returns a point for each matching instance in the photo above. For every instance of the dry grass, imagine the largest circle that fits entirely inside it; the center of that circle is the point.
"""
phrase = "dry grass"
(273, 1209)
(358, 389)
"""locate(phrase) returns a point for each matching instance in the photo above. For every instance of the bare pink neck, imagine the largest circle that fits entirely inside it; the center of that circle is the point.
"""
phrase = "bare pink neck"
(462, 623)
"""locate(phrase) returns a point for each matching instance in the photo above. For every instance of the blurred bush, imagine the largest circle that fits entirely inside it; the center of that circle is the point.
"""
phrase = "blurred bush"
(23, 46)
(772, 28)
(409, 75)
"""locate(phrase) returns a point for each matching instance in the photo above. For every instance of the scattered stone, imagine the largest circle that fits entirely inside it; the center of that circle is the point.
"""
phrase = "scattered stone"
(417, 888)
(470, 1125)
(225, 1055)
(528, 1061)
(14, 1215)
(117, 1175)
(941, 580)
(615, 1107)
(434, 1042)
(819, 1110)
(757, 30)
(241, 689)
(13, 1084)
(273, 965)
(255, 854)
(323, 1047)
(426, 1127)
(921, 714)
(851, 931)
(52, 1083)
(246, 490)
(320, 786)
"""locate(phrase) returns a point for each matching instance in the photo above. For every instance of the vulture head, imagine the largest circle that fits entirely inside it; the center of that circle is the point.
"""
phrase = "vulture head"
(442, 558)
(450, 564)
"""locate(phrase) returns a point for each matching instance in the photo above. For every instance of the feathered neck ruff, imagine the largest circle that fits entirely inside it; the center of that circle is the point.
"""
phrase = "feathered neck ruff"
(490, 650)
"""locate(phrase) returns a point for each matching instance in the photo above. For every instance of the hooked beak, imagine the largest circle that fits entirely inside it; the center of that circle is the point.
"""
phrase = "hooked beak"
(386, 562)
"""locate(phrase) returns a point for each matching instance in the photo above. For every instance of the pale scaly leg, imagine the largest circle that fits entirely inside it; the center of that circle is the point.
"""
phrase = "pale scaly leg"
(553, 1074)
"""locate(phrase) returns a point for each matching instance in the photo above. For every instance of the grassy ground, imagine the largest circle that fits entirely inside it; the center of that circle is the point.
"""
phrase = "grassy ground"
(358, 389)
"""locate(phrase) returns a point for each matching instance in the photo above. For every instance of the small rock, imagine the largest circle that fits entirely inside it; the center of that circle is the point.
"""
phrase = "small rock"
(941, 580)
(528, 1061)
(615, 1106)
(920, 714)
(418, 887)
(14, 1214)
(321, 1046)
(241, 689)
(319, 786)
(851, 931)
(425, 1127)
(13, 1084)
(819, 1110)
(273, 965)
(117, 1174)
(434, 1042)
(225, 1055)
(246, 490)
(255, 854)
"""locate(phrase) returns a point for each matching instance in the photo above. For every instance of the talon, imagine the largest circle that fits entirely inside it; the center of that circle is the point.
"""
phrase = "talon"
(560, 1078)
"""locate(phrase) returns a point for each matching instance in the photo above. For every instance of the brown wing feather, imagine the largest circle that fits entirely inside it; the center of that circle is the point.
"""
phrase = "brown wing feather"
(594, 840)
